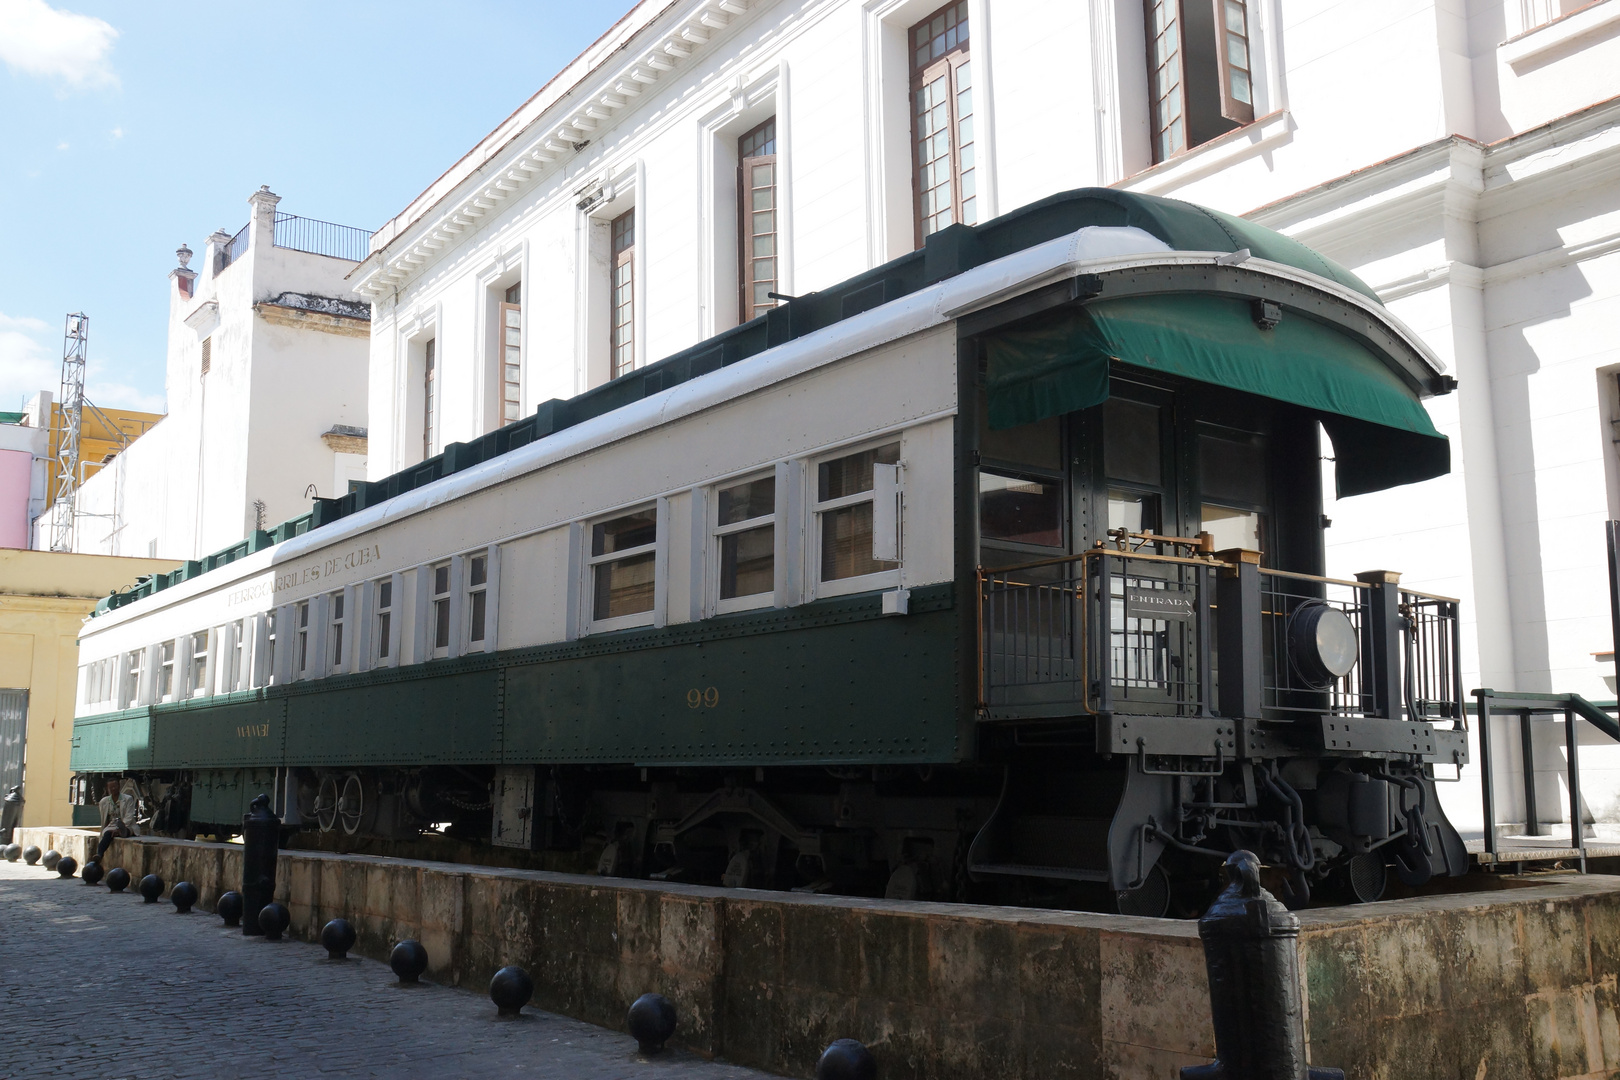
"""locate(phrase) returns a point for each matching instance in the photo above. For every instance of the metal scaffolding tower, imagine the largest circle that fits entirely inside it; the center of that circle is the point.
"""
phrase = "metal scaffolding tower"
(75, 347)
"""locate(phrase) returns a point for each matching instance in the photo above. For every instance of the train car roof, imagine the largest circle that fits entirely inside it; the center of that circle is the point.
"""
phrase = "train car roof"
(1120, 224)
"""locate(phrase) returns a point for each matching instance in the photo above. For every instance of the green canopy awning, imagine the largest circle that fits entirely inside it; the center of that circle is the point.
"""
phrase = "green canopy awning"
(1382, 435)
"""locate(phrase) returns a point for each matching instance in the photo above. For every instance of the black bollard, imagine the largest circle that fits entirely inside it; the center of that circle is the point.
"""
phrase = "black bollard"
(117, 879)
(273, 919)
(338, 937)
(651, 1021)
(229, 908)
(510, 990)
(408, 960)
(30, 854)
(183, 896)
(50, 859)
(261, 835)
(1251, 955)
(92, 873)
(151, 887)
(12, 852)
(846, 1059)
(10, 813)
(66, 865)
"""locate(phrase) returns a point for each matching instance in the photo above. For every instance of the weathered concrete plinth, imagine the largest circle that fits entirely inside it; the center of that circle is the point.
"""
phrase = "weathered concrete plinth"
(1507, 983)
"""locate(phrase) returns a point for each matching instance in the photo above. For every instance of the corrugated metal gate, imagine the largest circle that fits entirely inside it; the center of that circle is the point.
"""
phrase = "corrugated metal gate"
(13, 724)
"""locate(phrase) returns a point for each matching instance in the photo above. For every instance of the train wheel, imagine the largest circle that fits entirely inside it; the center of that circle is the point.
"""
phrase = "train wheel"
(355, 809)
(1151, 898)
(326, 803)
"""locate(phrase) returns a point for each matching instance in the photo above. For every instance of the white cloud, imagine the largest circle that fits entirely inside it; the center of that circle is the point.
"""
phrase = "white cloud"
(30, 362)
(117, 133)
(62, 146)
(66, 48)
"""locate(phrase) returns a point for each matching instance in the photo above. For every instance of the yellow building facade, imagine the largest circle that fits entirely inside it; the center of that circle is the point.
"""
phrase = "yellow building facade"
(44, 598)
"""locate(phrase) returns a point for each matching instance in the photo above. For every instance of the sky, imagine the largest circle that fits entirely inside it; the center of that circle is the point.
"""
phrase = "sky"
(127, 129)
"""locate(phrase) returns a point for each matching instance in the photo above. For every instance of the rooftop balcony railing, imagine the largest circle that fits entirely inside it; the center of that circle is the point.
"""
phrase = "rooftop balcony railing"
(303, 234)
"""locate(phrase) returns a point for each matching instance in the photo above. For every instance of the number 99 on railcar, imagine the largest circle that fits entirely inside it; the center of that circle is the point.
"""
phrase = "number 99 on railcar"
(996, 572)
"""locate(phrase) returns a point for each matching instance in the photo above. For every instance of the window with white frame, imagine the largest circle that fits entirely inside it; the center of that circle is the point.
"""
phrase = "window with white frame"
(334, 630)
(623, 569)
(197, 664)
(266, 669)
(477, 597)
(134, 665)
(165, 672)
(439, 626)
(844, 515)
(301, 657)
(745, 543)
(103, 673)
(236, 663)
(383, 616)
(757, 220)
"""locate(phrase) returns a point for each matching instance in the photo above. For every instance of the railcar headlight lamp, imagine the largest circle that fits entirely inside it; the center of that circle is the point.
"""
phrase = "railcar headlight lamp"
(1322, 644)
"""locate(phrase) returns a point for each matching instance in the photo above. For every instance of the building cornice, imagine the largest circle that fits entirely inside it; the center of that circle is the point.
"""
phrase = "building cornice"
(587, 97)
(1469, 182)
(304, 319)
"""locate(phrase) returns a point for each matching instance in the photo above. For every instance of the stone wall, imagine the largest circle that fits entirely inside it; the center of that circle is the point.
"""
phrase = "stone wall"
(1506, 983)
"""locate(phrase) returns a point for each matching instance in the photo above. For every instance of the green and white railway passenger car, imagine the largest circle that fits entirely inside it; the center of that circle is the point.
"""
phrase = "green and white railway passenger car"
(994, 571)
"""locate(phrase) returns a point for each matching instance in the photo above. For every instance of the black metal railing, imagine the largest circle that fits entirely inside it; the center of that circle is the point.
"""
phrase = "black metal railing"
(1103, 628)
(1433, 686)
(1149, 618)
(1288, 682)
(1118, 630)
(236, 248)
(322, 237)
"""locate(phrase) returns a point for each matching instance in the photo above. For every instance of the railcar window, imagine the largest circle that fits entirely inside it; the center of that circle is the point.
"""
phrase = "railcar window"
(1232, 482)
(336, 630)
(385, 615)
(1132, 441)
(134, 662)
(198, 663)
(1133, 511)
(1234, 528)
(624, 555)
(1039, 445)
(165, 683)
(746, 529)
(1020, 509)
(477, 596)
(844, 507)
(266, 669)
(441, 609)
(239, 660)
(302, 656)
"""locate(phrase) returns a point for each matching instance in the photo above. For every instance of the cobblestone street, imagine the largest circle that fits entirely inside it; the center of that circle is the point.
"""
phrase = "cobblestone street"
(106, 987)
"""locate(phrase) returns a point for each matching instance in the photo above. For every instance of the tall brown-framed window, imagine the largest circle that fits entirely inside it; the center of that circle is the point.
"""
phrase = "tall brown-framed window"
(512, 355)
(207, 354)
(757, 224)
(942, 143)
(427, 398)
(623, 307)
(1199, 71)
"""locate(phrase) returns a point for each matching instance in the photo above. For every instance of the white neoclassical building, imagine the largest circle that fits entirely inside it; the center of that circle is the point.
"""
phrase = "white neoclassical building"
(266, 387)
(1461, 158)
